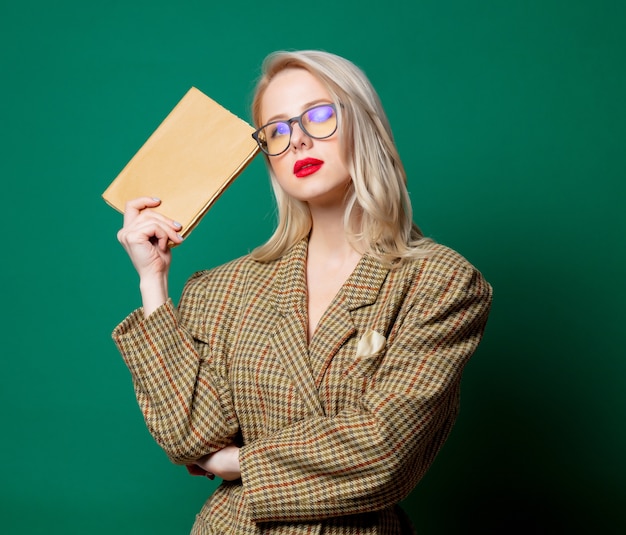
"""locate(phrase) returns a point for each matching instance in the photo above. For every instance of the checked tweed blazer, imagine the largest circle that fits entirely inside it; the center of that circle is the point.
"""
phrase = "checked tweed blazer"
(333, 433)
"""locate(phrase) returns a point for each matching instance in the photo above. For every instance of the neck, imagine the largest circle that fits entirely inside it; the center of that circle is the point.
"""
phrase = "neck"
(328, 235)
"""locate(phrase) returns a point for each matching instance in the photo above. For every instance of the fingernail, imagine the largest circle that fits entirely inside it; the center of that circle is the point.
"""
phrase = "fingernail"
(180, 237)
(156, 199)
(177, 224)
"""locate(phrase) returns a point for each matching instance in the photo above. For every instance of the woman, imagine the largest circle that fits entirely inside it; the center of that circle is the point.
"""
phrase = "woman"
(319, 375)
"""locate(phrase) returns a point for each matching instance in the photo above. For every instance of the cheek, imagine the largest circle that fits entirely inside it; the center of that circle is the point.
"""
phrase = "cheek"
(278, 165)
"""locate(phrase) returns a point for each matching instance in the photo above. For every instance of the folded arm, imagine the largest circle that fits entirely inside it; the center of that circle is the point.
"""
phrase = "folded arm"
(370, 456)
(185, 400)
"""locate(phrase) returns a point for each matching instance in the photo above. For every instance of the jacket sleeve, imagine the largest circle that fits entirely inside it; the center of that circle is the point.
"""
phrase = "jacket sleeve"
(179, 380)
(371, 456)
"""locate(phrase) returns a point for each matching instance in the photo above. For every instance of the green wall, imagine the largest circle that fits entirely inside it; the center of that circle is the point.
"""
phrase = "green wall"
(510, 117)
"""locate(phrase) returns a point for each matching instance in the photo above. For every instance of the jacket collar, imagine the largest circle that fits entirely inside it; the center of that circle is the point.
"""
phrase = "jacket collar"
(290, 291)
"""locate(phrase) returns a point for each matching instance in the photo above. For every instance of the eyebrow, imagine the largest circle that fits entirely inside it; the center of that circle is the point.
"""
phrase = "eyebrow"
(305, 107)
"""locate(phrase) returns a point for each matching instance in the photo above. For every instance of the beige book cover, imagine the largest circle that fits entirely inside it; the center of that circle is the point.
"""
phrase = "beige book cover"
(188, 162)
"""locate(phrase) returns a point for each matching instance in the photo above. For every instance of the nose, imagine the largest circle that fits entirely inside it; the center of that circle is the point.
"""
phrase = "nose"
(298, 136)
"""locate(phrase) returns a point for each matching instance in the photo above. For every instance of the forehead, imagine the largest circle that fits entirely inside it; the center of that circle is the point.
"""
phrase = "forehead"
(290, 92)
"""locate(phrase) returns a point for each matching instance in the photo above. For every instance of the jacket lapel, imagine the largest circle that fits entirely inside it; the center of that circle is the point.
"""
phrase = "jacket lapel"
(307, 363)
(337, 325)
(289, 336)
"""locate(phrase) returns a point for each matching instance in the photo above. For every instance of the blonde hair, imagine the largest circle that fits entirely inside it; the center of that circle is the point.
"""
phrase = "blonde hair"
(378, 212)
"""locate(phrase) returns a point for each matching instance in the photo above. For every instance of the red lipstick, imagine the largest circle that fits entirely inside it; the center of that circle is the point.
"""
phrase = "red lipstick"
(307, 167)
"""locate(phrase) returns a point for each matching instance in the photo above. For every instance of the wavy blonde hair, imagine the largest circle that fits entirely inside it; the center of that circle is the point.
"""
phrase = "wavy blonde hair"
(378, 213)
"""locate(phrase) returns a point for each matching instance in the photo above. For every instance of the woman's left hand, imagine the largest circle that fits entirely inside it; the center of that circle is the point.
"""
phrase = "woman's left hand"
(223, 463)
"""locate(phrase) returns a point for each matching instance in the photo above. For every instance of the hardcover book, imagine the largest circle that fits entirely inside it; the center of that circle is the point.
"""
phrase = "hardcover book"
(188, 162)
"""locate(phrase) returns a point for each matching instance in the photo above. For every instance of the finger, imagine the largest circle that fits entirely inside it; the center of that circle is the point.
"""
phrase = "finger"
(134, 206)
(167, 236)
(147, 214)
(154, 231)
(195, 470)
(167, 240)
(149, 217)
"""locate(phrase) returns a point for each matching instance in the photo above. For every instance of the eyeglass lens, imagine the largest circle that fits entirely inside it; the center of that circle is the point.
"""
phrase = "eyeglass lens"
(318, 122)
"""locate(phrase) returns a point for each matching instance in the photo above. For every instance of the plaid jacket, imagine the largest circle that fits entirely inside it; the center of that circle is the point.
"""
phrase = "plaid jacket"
(334, 433)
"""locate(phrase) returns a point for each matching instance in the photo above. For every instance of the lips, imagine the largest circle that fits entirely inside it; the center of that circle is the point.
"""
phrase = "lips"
(307, 167)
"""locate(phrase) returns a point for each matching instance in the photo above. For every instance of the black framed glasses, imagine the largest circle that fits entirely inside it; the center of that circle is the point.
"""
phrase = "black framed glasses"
(318, 122)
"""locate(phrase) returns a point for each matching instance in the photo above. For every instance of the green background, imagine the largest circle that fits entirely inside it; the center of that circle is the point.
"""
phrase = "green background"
(511, 121)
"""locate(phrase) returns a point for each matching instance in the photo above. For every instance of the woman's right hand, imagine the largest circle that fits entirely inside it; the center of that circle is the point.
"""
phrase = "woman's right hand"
(146, 236)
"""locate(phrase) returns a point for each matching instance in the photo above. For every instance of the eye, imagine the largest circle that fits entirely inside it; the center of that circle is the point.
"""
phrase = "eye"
(319, 114)
(278, 129)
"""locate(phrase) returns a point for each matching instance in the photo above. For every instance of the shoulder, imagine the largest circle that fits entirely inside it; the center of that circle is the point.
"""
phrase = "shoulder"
(442, 260)
(436, 259)
(214, 298)
(230, 277)
(444, 274)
